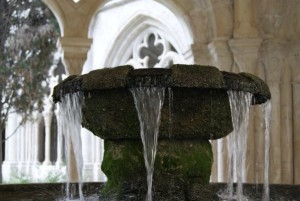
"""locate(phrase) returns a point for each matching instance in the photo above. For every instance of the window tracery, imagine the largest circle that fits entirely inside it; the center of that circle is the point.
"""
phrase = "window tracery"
(151, 50)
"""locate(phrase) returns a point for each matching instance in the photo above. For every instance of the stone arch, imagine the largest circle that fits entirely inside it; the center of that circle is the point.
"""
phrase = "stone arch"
(142, 23)
(207, 18)
(175, 29)
(69, 14)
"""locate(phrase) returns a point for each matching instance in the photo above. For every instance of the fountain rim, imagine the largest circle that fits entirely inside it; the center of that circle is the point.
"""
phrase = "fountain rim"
(177, 76)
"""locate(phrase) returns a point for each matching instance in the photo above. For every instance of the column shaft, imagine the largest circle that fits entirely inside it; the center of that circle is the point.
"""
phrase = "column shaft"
(48, 119)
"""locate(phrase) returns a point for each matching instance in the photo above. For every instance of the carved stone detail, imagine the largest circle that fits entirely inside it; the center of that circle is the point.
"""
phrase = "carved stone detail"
(150, 49)
(74, 52)
(245, 52)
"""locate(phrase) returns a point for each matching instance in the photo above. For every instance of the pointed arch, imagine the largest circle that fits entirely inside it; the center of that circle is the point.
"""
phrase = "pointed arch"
(154, 16)
(140, 23)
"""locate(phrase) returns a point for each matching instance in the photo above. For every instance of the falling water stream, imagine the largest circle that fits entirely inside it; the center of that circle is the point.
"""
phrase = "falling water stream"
(148, 102)
(240, 103)
(267, 110)
(70, 107)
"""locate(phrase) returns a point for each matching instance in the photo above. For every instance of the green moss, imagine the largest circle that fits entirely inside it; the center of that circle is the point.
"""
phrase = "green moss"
(183, 160)
(178, 164)
(124, 167)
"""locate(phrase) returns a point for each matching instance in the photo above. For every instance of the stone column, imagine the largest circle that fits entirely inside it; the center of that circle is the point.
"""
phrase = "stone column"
(214, 168)
(286, 126)
(87, 146)
(48, 119)
(18, 138)
(245, 23)
(28, 137)
(295, 74)
(74, 51)
(59, 160)
(222, 155)
(99, 150)
(10, 163)
(20, 134)
(37, 120)
(88, 150)
(296, 131)
(10, 135)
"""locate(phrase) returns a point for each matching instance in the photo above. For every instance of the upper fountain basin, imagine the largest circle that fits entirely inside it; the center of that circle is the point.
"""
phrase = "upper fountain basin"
(196, 103)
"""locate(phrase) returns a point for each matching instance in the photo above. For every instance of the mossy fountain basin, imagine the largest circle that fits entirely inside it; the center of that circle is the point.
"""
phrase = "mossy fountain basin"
(195, 110)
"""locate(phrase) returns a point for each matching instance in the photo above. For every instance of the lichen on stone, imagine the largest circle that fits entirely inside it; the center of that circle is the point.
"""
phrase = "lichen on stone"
(106, 78)
(179, 165)
(196, 76)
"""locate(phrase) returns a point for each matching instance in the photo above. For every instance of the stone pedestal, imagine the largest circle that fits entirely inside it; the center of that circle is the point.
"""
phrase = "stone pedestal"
(179, 165)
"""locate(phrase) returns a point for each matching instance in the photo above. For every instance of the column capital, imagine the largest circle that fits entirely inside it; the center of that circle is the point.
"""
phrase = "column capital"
(37, 117)
(245, 53)
(74, 51)
(246, 45)
(47, 118)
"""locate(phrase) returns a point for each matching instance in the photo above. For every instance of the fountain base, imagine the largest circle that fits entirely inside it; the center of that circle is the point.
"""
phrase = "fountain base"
(180, 165)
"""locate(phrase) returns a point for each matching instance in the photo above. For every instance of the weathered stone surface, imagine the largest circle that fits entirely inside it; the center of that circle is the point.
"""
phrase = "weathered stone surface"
(248, 83)
(181, 76)
(59, 89)
(150, 77)
(197, 76)
(111, 114)
(178, 165)
(195, 114)
(106, 78)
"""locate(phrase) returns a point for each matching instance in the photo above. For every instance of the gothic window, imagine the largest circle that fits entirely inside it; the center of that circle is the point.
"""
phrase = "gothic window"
(150, 49)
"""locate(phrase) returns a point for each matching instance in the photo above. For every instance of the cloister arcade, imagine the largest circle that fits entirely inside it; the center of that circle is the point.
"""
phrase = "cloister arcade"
(256, 36)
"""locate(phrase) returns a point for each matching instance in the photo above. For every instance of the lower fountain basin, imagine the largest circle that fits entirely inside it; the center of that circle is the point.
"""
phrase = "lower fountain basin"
(56, 191)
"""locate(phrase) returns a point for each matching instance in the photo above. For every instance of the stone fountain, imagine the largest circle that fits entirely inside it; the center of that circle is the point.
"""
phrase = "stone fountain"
(195, 110)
